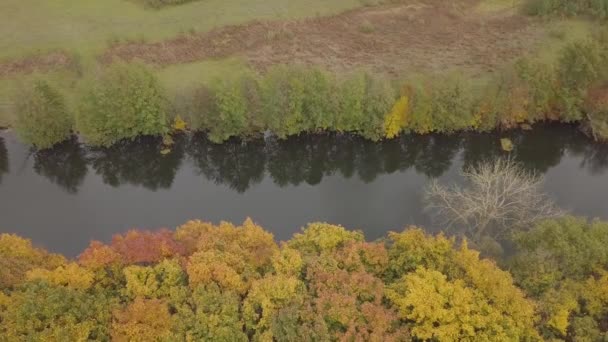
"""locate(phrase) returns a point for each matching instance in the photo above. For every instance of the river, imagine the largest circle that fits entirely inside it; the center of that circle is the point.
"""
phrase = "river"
(64, 197)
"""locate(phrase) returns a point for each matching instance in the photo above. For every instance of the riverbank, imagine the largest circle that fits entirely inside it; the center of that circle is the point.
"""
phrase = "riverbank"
(517, 72)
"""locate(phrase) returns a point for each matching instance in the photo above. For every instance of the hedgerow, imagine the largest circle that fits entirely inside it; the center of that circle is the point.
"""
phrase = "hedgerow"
(126, 101)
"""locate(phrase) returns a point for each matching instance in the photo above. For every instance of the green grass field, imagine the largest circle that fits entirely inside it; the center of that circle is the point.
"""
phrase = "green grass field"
(86, 26)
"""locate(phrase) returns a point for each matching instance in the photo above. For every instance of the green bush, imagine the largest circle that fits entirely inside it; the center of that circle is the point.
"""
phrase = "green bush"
(283, 99)
(539, 81)
(380, 96)
(581, 64)
(443, 105)
(163, 3)
(350, 112)
(595, 8)
(228, 108)
(230, 116)
(42, 116)
(319, 102)
(124, 102)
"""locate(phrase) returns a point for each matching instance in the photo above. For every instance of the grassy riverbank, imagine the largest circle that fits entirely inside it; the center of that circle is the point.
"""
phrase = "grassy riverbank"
(352, 66)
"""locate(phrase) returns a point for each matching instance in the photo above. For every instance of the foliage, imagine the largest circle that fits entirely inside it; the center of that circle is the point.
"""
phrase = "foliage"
(125, 101)
(42, 115)
(396, 120)
(441, 105)
(288, 100)
(157, 4)
(563, 263)
(18, 256)
(230, 116)
(595, 8)
(453, 295)
(38, 311)
(154, 282)
(142, 320)
(556, 250)
(227, 282)
(71, 275)
(145, 246)
(322, 237)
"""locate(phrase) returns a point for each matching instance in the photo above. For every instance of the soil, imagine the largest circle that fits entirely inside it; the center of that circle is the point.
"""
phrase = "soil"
(404, 37)
(43, 63)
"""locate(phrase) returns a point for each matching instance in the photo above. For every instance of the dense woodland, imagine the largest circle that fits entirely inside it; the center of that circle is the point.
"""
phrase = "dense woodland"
(235, 283)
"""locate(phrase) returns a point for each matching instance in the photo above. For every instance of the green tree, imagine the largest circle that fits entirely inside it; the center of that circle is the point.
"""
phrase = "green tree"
(43, 119)
(38, 311)
(123, 102)
(231, 109)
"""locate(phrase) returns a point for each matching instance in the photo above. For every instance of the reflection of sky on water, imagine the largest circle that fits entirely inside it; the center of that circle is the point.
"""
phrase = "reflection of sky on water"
(65, 197)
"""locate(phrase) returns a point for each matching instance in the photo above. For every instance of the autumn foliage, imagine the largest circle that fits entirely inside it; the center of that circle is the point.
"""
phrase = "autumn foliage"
(235, 283)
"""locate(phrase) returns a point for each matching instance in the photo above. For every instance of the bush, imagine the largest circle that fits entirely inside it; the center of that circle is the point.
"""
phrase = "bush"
(581, 64)
(594, 8)
(539, 82)
(443, 105)
(378, 101)
(350, 112)
(42, 116)
(163, 3)
(230, 111)
(364, 102)
(125, 101)
(283, 98)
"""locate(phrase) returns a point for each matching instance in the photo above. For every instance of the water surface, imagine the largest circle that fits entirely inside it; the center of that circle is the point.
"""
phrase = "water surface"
(65, 197)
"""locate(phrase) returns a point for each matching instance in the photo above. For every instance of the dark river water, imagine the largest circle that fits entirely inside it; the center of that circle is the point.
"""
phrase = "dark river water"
(65, 197)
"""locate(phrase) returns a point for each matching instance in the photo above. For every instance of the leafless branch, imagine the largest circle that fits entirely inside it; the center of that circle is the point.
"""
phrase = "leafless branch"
(498, 195)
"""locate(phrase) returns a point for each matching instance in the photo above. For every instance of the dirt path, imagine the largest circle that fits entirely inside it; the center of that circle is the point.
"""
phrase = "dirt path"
(410, 36)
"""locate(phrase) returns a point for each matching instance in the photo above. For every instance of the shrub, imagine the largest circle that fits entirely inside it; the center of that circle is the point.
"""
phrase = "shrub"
(125, 101)
(443, 105)
(350, 111)
(42, 116)
(163, 3)
(378, 101)
(283, 97)
(594, 8)
(581, 64)
(539, 81)
(230, 111)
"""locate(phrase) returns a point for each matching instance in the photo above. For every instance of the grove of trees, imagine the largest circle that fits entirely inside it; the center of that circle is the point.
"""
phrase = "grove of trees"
(235, 283)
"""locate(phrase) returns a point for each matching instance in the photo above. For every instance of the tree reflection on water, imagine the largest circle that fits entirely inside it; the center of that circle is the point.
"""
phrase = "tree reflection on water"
(305, 159)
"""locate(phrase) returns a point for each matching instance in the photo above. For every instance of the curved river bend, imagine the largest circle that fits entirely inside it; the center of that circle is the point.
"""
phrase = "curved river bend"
(65, 197)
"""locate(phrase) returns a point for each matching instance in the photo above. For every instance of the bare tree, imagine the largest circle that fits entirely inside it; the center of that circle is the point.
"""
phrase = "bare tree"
(496, 196)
